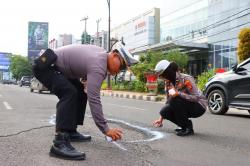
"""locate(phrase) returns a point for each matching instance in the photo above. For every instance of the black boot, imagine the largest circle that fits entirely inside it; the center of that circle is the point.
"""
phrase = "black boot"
(178, 129)
(63, 149)
(186, 131)
(78, 137)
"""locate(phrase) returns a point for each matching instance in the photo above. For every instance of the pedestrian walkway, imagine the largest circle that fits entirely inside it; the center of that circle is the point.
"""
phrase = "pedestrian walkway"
(133, 95)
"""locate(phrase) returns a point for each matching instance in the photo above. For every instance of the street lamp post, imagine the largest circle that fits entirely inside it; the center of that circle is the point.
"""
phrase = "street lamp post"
(108, 1)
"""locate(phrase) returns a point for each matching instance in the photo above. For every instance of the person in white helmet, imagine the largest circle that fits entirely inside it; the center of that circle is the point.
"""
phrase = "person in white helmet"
(60, 71)
(184, 100)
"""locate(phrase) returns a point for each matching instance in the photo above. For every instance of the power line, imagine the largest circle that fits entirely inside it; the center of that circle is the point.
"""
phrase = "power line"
(214, 24)
(209, 36)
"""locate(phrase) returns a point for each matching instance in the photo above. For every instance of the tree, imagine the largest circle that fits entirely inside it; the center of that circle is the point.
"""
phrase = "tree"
(244, 44)
(151, 58)
(147, 63)
(180, 58)
(20, 66)
(85, 38)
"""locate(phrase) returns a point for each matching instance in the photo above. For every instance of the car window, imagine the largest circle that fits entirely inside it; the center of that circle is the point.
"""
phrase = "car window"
(246, 66)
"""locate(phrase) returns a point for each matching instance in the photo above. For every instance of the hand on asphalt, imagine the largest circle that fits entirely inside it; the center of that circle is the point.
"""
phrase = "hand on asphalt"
(158, 123)
(115, 134)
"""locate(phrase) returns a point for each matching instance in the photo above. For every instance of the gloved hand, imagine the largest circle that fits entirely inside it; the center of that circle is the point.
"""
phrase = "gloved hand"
(115, 134)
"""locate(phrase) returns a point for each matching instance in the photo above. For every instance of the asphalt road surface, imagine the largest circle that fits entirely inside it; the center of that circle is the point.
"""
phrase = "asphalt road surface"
(26, 134)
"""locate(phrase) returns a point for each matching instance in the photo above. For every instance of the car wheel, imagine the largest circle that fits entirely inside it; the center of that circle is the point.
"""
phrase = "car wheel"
(31, 90)
(217, 102)
(39, 91)
(249, 111)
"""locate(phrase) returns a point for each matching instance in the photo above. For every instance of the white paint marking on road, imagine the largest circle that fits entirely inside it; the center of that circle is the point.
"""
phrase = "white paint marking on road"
(109, 139)
(7, 106)
(156, 134)
(52, 119)
(127, 107)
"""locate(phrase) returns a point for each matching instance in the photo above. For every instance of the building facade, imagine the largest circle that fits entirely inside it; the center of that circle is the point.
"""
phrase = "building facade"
(216, 23)
(225, 20)
(63, 40)
(4, 66)
(100, 39)
(143, 30)
(207, 30)
(186, 26)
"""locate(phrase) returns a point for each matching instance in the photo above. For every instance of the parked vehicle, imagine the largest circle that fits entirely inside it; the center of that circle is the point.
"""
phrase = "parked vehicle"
(25, 81)
(9, 82)
(125, 76)
(229, 89)
(36, 85)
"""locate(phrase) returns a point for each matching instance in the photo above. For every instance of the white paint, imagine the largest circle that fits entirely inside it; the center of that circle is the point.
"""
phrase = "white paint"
(52, 119)
(126, 106)
(109, 139)
(7, 106)
(156, 135)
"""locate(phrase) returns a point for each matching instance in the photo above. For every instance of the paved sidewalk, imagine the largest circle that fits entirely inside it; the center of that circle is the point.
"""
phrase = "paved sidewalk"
(133, 95)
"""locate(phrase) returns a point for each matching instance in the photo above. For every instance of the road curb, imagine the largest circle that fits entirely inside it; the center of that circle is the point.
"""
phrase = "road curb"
(132, 95)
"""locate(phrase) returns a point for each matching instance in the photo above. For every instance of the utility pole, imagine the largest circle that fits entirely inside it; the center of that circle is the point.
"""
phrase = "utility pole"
(85, 30)
(108, 1)
(97, 32)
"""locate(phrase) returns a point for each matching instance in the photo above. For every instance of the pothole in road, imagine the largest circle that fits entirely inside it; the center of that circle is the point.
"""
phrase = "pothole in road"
(134, 133)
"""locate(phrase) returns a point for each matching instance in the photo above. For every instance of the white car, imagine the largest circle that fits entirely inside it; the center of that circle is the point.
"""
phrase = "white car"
(36, 85)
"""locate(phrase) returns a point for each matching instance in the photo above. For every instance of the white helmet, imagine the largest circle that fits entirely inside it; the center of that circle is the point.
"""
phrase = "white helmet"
(125, 54)
(161, 66)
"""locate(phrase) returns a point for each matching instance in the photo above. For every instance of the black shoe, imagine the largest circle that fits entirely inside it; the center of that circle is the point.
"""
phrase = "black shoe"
(64, 150)
(78, 137)
(185, 132)
(178, 129)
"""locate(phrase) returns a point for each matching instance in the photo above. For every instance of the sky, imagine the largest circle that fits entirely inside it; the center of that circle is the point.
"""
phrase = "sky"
(64, 17)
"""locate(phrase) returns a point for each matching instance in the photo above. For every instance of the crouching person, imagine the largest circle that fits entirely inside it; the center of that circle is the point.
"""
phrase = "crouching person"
(184, 100)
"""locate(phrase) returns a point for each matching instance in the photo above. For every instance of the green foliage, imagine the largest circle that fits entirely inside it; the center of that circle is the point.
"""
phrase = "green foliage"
(20, 66)
(135, 85)
(244, 44)
(180, 58)
(85, 38)
(204, 77)
(161, 86)
(140, 86)
(104, 85)
(147, 63)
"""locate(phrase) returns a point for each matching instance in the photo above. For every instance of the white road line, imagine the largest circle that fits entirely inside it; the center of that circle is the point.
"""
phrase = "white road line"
(126, 107)
(7, 106)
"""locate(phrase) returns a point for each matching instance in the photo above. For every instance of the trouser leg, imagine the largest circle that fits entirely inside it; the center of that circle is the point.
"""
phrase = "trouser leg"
(183, 110)
(180, 107)
(167, 112)
(81, 100)
(197, 111)
(66, 107)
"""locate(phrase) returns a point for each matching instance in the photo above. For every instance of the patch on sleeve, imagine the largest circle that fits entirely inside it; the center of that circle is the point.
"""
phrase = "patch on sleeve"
(188, 84)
